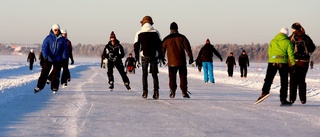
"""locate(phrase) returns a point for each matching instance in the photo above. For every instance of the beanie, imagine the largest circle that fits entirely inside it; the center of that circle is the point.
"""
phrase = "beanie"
(146, 19)
(243, 51)
(284, 30)
(207, 41)
(55, 26)
(173, 26)
(63, 30)
(112, 35)
(296, 26)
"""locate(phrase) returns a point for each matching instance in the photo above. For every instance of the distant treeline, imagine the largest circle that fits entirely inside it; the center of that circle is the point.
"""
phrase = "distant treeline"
(256, 52)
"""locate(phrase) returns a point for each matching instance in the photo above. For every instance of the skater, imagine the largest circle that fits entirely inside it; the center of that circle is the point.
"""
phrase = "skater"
(66, 72)
(303, 48)
(114, 52)
(231, 63)
(54, 51)
(130, 64)
(243, 63)
(176, 45)
(205, 55)
(311, 64)
(280, 51)
(147, 43)
(31, 58)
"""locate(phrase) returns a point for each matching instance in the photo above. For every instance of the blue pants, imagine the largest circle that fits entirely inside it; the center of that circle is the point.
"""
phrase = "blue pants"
(208, 71)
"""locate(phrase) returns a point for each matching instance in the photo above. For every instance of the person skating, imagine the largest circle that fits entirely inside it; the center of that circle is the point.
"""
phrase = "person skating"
(114, 52)
(280, 51)
(130, 64)
(231, 63)
(176, 44)
(31, 59)
(147, 44)
(303, 48)
(205, 55)
(66, 77)
(243, 63)
(54, 51)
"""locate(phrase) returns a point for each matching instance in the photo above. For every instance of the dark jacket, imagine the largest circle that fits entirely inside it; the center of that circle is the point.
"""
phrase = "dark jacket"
(113, 53)
(299, 35)
(147, 42)
(31, 57)
(230, 61)
(70, 55)
(206, 53)
(54, 48)
(243, 60)
(176, 45)
(130, 61)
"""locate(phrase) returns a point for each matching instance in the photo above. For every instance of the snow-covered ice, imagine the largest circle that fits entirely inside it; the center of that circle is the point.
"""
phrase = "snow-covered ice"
(87, 108)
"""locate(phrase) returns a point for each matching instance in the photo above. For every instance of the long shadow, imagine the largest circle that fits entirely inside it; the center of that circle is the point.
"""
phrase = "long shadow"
(23, 70)
(23, 102)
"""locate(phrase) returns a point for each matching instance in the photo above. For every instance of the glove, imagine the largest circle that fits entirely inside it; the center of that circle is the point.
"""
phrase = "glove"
(293, 69)
(137, 64)
(191, 61)
(163, 61)
(72, 62)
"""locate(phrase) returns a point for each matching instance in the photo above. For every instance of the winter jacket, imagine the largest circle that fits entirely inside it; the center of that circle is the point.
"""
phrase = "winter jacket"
(230, 61)
(147, 42)
(206, 53)
(176, 45)
(299, 35)
(130, 61)
(31, 57)
(70, 55)
(280, 50)
(54, 48)
(243, 60)
(113, 53)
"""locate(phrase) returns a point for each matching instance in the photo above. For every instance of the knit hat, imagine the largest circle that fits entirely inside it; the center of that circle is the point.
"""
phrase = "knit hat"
(112, 35)
(55, 26)
(173, 26)
(284, 30)
(207, 41)
(146, 19)
(63, 30)
(296, 26)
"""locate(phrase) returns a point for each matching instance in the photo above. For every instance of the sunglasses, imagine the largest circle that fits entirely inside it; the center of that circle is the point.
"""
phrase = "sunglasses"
(56, 30)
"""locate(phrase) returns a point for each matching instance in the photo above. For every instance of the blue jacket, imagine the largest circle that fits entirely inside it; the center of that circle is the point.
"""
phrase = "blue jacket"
(54, 48)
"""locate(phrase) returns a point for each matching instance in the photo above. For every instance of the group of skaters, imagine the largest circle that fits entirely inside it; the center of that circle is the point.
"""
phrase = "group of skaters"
(55, 53)
(285, 53)
(289, 54)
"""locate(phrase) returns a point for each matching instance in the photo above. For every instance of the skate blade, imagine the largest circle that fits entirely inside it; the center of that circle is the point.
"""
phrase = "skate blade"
(260, 100)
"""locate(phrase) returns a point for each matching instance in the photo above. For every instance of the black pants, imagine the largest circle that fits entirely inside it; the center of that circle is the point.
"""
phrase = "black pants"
(230, 70)
(153, 61)
(271, 72)
(65, 72)
(45, 72)
(120, 68)
(31, 65)
(173, 78)
(243, 71)
(298, 79)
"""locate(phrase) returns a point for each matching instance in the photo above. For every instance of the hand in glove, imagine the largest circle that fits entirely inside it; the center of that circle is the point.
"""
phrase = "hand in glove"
(191, 61)
(163, 61)
(293, 69)
(72, 62)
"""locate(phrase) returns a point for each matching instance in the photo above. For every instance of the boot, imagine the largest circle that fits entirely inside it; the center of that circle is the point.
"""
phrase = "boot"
(156, 94)
(127, 86)
(145, 94)
(185, 94)
(111, 85)
(172, 94)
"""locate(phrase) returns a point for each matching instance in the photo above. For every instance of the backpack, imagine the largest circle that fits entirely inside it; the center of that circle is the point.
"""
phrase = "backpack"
(300, 47)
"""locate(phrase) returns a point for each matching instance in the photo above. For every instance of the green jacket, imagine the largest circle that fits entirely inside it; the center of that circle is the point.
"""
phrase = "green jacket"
(281, 50)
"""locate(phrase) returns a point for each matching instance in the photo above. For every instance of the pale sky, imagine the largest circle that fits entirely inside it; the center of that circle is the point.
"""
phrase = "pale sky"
(222, 21)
